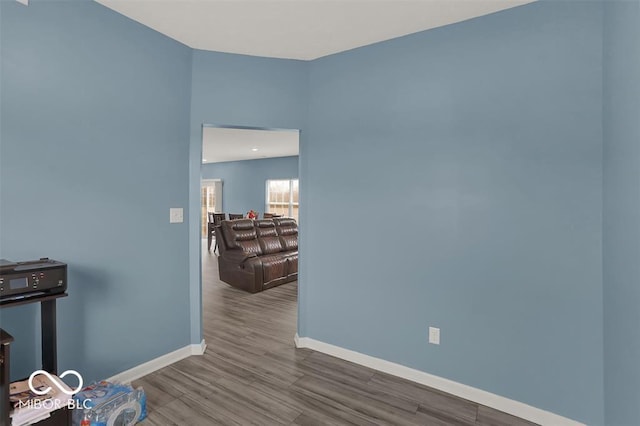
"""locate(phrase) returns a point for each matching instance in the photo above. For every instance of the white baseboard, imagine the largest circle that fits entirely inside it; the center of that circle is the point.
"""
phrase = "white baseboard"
(479, 396)
(155, 364)
(198, 349)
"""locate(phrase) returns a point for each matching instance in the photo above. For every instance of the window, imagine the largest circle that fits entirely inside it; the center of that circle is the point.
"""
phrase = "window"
(282, 197)
(211, 200)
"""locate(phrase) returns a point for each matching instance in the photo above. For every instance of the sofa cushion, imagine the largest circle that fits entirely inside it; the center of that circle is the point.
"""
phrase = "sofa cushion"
(288, 233)
(241, 234)
(286, 226)
(270, 245)
(268, 236)
(265, 228)
(292, 263)
(289, 242)
(274, 266)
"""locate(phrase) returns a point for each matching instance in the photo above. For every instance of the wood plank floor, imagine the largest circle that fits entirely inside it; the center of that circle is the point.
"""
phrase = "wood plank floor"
(252, 374)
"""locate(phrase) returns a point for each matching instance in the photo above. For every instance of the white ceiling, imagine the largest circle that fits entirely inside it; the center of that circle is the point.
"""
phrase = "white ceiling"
(221, 144)
(297, 29)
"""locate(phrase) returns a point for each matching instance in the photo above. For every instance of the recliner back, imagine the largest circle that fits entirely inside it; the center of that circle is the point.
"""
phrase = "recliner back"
(241, 234)
(288, 232)
(268, 236)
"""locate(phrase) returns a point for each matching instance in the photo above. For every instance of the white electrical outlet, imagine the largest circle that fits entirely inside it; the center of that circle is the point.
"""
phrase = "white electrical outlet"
(176, 215)
(434, 335)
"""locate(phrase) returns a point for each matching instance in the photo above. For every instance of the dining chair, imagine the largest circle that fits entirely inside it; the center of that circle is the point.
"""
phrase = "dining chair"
(217, 221)
(210, 228)
(233, 216)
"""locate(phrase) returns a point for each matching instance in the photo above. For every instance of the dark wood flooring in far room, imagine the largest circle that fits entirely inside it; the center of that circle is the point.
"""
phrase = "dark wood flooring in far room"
(252, 373)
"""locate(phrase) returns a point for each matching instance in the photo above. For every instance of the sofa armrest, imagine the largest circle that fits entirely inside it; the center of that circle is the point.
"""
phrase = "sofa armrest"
(241, 270)
(237, 256)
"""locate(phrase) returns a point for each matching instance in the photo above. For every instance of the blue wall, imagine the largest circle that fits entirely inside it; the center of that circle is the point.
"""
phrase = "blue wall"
(238, 90)
(475, 152)
(622, 212)
(244, 182)
(480, 145)
(95, 140)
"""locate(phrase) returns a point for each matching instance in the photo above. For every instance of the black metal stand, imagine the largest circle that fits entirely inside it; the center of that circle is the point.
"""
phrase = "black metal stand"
(49, 336)
(49, 353)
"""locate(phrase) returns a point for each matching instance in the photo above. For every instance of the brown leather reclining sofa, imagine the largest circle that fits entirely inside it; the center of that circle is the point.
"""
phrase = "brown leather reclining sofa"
(258, 254)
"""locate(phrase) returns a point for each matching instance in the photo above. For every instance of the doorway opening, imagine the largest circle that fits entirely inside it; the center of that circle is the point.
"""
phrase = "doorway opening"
(249, 173)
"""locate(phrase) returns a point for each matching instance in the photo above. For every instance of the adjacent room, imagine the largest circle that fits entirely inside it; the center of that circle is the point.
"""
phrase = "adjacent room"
(454, 241)
(255, 171)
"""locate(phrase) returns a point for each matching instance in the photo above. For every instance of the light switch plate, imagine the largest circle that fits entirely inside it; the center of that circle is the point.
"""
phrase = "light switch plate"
(434, 335)
(176, 215)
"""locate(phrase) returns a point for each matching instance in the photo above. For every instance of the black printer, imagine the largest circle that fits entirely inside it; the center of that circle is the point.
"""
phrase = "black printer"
(34, 278)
